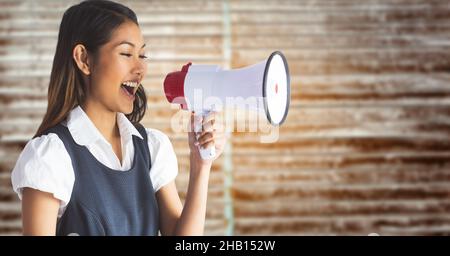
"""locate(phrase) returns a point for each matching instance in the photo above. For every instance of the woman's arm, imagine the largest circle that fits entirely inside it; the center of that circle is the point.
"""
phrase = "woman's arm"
(190, 219)
(39, 212)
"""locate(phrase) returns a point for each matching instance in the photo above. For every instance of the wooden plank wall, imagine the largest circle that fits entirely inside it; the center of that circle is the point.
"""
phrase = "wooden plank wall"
(365, 147)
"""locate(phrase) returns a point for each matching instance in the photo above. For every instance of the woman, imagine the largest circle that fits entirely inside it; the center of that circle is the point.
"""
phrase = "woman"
(91, 168)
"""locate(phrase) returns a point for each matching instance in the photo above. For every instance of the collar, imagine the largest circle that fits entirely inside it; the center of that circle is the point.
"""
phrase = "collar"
(85, 133)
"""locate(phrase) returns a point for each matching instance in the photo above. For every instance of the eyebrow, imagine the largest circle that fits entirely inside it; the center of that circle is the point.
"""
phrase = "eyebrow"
(129, 43)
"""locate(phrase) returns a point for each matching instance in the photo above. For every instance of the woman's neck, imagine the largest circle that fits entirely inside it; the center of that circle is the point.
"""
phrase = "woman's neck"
(103, 119)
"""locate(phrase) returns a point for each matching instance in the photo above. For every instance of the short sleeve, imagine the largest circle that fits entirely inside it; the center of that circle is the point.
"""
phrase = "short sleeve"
(45, 165)
(164, 167)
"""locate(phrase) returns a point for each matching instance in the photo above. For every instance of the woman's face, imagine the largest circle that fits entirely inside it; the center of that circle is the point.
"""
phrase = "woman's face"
(119, 69)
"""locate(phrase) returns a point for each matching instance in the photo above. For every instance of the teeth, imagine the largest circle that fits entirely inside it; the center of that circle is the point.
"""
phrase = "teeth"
(130, 84)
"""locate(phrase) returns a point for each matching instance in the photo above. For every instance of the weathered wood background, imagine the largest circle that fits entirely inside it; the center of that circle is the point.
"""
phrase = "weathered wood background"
(365, 147)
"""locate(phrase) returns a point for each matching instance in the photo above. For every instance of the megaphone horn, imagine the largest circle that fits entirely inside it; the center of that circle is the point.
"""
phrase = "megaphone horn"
(268, 80)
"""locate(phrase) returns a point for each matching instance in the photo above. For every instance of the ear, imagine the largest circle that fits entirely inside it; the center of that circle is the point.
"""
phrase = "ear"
(80, 55)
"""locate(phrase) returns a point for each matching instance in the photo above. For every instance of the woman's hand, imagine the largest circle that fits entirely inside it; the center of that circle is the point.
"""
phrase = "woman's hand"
(212, 134)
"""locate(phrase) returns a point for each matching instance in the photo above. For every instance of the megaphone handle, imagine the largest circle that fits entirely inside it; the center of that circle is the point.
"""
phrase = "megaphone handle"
(205, 153)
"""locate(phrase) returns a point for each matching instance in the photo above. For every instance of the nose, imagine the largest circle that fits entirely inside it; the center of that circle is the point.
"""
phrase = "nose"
(139, 67)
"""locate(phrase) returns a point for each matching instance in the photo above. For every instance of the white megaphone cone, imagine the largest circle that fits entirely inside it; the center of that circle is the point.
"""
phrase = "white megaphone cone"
(268, 81)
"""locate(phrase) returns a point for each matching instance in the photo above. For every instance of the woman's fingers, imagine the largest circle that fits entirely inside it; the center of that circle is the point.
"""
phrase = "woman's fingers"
(207, 137)
(212, 131)
(210, 137)
(207, 144)
(212, 126)
(191, 123)
(208, 122)
(208, 127)
(209, 118)
(191, 134)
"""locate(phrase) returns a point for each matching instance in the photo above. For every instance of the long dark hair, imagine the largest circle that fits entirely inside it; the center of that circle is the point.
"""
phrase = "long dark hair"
(90, 23)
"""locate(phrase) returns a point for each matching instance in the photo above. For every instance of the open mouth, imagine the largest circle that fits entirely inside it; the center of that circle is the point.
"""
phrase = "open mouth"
(130, 87)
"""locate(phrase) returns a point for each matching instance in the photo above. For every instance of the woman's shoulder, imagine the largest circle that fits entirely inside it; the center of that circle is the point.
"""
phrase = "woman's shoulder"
(164, 161)
(156, 136)
(44, 164)
(159, 144)
(43, 151)
(43, 144)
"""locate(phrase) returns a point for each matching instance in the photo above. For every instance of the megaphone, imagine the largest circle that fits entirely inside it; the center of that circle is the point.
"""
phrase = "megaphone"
(267, 80)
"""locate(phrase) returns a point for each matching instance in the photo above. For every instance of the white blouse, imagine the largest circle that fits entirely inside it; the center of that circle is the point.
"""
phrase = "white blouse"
(45, 164)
